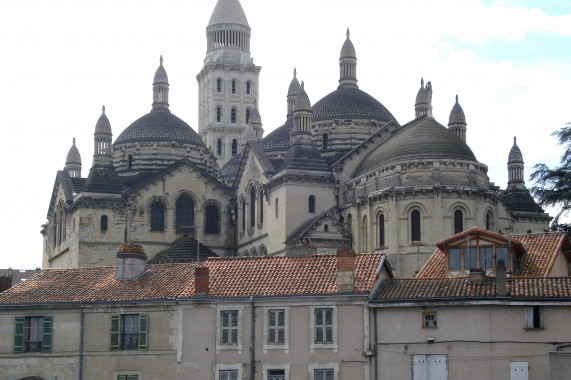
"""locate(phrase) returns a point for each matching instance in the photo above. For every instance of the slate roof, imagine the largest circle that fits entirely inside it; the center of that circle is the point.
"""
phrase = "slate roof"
(520, 200)
(229, 277)
(305, 228)
(278, 139)
(183, 250)
(304, 157)
(395, 290)
(350, 103)
(228, 12)
(230, 170)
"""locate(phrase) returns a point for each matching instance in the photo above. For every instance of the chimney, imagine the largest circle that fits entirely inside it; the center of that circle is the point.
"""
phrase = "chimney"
(5, 283)
(501, 281)
(201, 282)
(131, 262)
(345, 271)
(477, 275)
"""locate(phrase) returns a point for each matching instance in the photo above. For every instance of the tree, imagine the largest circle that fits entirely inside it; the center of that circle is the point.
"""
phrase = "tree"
(553, 186)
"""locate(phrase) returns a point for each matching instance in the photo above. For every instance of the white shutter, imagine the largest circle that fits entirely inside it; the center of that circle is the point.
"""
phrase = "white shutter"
(420, 367)
(519, 370)
(438, 367)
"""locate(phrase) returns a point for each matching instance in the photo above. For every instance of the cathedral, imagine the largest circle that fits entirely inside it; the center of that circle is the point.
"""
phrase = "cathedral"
(341, 173)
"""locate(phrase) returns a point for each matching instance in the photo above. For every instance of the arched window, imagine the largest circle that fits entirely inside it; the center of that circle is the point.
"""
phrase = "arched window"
(263, 250)
(254, 252)
(211, 220)
(219, 147)
(218, 114)
(489, 221)
(276, 207)
(233, 115)
(157, 216)
(415, 225)
(458, 222)
(381, 230)
(219, 85)
(103, 226)
(248, 87)
(350, 224)
(130, 164)
(184, 214)
(341, 220)
(311, 205)
(325, 141)
(252, 207)
(234, 147)
(261, 207)
(365, 235)
(233, 86)
(244, 214)
(55, 230)
(247, 115)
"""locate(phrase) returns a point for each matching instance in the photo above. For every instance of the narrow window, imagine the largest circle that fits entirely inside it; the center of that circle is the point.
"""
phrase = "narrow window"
(219, 85)
(103, 223)
(455, 258)
(184, 214)
(233, 86)
(489, 221)
(212, 220)
(365, 235)
(276, 207)
(381, 230)
(247, 116)
(157, 216)
(311, 205)
(248, 87)
(234, 147)
(533, 317)
(252, 207)
(244, 214)
(415, 225)
(429, 319)
(323, 374)
(326, 228)
(458, 222)
(350, 224)
(231, 374)
(470, 258)
(325, 141)
(324, 325)
(276, 326)
(130, 164)
(229, 327)
(261, 206)
(233, 115)
(486, 257)
(218, 114)
(219, 147)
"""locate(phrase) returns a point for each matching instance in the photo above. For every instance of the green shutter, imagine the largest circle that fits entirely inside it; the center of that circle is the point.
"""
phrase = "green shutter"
(19, 334)
(133, 377)
(115, 332)
(47, 334)
(122, 377)
(143, 331)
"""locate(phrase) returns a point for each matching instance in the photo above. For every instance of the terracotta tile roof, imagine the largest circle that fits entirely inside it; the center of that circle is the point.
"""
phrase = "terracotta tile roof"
(229, 277)
(540, 253)
(463, 288)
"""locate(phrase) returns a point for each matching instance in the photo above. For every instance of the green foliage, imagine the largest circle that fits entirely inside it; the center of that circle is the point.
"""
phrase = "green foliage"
(553, 185)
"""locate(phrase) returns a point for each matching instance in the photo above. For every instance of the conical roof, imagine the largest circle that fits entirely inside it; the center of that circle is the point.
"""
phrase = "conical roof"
(294, 86)
(249, 134)
(302, 102)
(348, 50)
(103, 125)
(422, 95)
(515, 155)
(228, 12)
(161, 74)
(255, 118)
(73, 156)
(457, 114)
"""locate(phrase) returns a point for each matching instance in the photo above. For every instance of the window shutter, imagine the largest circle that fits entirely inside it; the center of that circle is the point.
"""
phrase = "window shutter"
(19, 334)
(133, 377)
(122, 377)
(529, 317)
(47, 334)
(234, 375)
(143, 331)
(115, 333)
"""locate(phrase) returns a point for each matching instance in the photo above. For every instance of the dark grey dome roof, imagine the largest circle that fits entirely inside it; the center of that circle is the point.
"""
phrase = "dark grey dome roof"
(421, 139)
(228, 12)
(350, 103)
(73, 156)
(159, 126)
(278, 139)
(457, 114)
(515, 155)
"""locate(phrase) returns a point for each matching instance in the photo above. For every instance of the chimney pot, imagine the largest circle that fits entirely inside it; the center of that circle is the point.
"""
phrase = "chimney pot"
(201, 281)
(345, 271)
(131, 262)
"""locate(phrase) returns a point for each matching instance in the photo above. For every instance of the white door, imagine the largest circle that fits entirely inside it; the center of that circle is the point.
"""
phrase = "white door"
(518, 370)
(437, 367)
(420, 367)
(429, 367)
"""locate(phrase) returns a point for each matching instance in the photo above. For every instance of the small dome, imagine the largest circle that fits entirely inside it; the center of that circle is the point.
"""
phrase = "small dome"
(350, 103)
(161, 74)
(228, 12)
(457, 114)
(515, 156)
(103, 125)
(159, 126)
(249, 134)
(348, 50)
(73, 156)
(422, 95)
(302, 102)
(294, 86)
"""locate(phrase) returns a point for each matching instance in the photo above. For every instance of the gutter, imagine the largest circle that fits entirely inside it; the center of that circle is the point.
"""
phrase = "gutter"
(82, 318)
(253, 341)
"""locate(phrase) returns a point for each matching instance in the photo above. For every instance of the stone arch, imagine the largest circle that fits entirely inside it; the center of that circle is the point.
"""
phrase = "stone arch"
(263, 250)
(380, 223)
(212, 220)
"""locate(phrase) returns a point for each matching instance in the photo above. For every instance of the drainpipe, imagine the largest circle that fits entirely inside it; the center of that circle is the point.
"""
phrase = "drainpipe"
(81, 318)
(375, 345)
(253, 341)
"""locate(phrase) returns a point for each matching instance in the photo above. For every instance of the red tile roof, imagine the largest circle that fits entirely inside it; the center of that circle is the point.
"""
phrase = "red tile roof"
(229, 277)
(463, 288)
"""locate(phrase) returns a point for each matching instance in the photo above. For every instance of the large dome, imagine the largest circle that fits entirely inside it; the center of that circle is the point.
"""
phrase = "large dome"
(422, 139)
(159, 126)
(350, 103)
(279, 139)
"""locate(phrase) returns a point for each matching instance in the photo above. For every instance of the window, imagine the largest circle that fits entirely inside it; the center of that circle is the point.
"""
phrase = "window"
(276, 207)
(229, 327)
(311, 205)
(247, 115)
(33, 334)
(324, 141)
(415, 226)
(219, 147)
(233, 86)
(130, 164)
(455, 258)
(429, 319)
(381, 230)
(470, 258)
(234, 147)
(231, 374)
(218, 114)
(212, 220)
(252, 207)
(129, 332)
(486, 258)
(429, 367)
(276, 326)
(157, 216)
(276, 374)
(323, 374)
(489, 221)
(233, 115)
(476, 257)
(127, 377)
(261, 207)
(219, 85)
(243, 214)
(248, 87)
(533, 317)
(326, 228)
(323, 325)
(103, 222)
(458, 222)
(350, 224)
(184, 214)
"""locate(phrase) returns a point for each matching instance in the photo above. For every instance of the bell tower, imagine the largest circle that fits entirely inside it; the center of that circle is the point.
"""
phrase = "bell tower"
(228, 83)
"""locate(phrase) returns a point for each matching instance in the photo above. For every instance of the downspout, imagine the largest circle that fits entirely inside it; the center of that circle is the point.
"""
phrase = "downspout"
(375, 345)
(253, 341)
(81, 319)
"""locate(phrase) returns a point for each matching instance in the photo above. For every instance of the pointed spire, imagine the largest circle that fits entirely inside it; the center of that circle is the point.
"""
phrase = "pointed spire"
(73, 161)
(102, 140)
(348, 64)
(302, 116)
(421, 103)
(515, 167)
(292, 92)
(457, 121)
(161, 89)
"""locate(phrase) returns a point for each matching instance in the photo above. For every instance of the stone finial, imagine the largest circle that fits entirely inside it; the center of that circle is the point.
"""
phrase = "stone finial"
(294, 72)
(161, 60)
(422, 82)
(348, 33)
(103, 109)
(74, 141)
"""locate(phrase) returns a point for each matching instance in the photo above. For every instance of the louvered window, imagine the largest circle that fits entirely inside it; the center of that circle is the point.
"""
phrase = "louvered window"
(129, 332)
(229, 327)
(33, 334)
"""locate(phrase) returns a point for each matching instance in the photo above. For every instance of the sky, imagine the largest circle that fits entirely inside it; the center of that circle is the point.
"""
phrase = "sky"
(508, 61)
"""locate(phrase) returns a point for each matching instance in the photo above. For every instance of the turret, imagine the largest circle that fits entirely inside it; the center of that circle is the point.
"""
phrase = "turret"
(423, 104)
(160, 89)
(73, 161)
(102, 139)
(515, 168)
(302, 116)
(292, 93)
(348, 64)
(457, 121)
(228, 29)
(253, 131)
